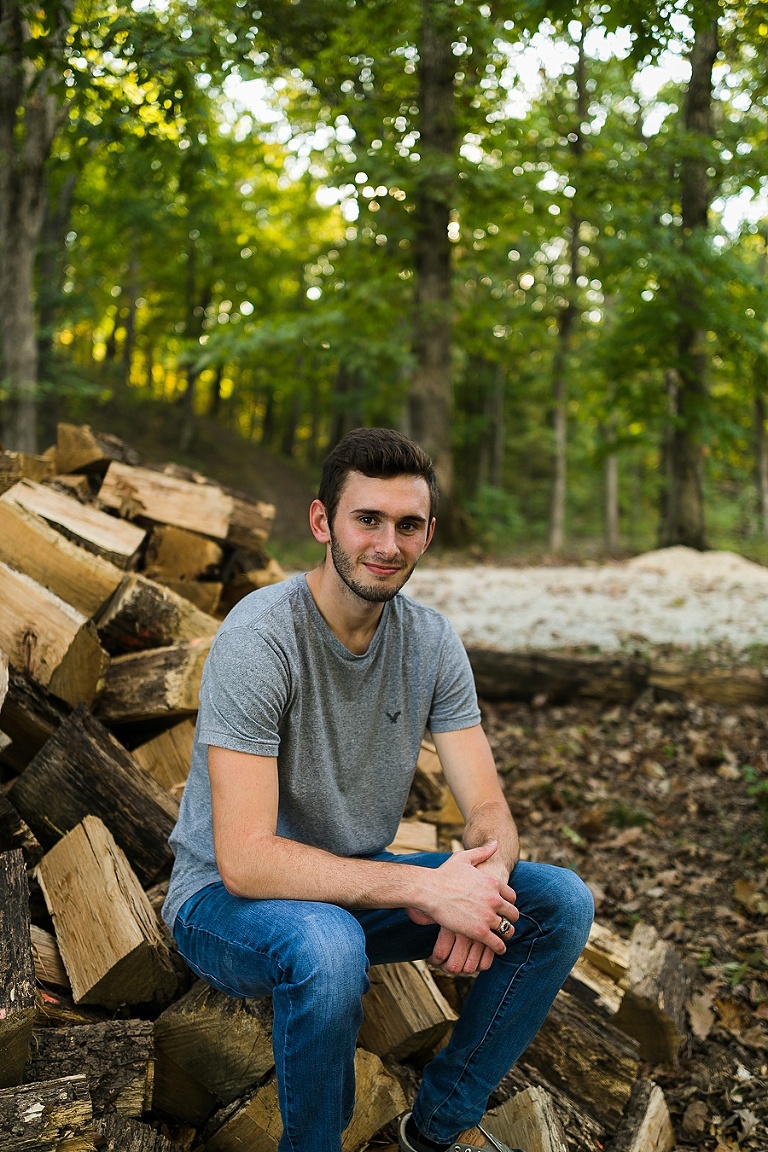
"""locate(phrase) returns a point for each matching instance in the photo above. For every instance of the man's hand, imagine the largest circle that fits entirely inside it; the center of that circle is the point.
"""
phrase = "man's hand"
(472, 901)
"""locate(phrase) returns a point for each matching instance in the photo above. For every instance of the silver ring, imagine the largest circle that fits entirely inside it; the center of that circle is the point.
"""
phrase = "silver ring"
(504, 927)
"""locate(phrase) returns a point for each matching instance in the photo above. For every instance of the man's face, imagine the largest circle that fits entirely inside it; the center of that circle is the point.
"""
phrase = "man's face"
(380, 530)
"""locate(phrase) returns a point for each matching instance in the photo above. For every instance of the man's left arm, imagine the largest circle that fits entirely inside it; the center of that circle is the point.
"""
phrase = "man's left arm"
(468, 766)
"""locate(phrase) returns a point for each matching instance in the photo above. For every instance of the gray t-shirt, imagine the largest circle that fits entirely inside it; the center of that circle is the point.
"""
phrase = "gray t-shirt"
(346, 729)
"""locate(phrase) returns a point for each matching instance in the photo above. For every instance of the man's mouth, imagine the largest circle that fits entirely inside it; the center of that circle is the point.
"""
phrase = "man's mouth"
(382, 569)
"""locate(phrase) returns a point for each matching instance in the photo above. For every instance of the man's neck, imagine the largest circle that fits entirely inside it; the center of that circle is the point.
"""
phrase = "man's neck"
(352, 619)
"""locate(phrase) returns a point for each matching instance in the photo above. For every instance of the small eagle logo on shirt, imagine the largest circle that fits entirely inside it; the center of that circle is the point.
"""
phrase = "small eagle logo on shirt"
(393, 716)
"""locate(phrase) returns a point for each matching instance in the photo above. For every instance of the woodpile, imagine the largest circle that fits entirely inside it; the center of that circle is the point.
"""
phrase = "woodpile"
(113, 579)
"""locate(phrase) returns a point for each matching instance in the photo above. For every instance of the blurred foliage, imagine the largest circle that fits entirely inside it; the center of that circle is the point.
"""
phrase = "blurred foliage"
(230, 209)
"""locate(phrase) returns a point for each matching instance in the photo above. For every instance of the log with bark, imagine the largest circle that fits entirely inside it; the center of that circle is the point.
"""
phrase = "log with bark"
(652, 1009)
(17, 972)
(49, 1116)
(588, 1058)
(16, 833)
(513, 675)
(29, 717)
(83, 771)
(143, 614)
(116, 1058)
(157, 683)
(176, 554)
(15, 466)
(159, 498)
(118, 1134)
(80, 449)
(646, 1125)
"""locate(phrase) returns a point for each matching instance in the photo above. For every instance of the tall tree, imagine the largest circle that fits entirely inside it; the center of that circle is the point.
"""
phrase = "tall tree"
(33, 45)
(683, 507)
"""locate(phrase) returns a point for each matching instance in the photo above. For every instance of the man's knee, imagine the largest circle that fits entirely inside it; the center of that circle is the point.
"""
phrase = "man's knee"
(332, 955)
(558, 899)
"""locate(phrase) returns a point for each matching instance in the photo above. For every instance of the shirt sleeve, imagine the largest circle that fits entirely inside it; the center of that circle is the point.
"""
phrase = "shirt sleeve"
(454, 704)
(244, 692)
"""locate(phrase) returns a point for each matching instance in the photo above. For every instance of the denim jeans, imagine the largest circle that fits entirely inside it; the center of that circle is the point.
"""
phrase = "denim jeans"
(312, 958)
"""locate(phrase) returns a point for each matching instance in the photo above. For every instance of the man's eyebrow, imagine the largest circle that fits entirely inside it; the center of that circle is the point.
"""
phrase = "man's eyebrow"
(415, 516)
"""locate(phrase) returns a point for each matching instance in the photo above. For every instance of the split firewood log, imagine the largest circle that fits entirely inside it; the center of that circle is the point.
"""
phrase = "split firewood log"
(167, 755)
(110, 941)
(652, 1009)
(176, 554)
(414, 836)
(29, 717)
(107, 536)
(646, 1125)
(80, 449)
(30, 545)
(46, 956)
(405, 1011)
(527, 1120)
(15, 466)
(16, 833)
(162, 498)
(254, 1123)
(49, 640)
(222, 1042)
(587, 1057)
(120, 1134)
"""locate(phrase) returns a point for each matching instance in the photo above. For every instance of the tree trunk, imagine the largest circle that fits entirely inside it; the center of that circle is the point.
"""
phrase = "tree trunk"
(683, 521)
(49, 276)
(566, 324)
(30, 107)
(761, 463)
(611, 476)
(430, 399)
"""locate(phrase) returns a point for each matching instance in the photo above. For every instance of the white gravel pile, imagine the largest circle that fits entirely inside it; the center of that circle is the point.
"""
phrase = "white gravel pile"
(671, 596)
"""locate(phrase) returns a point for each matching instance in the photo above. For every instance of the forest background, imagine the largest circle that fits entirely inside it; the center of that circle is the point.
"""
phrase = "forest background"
(533, 235)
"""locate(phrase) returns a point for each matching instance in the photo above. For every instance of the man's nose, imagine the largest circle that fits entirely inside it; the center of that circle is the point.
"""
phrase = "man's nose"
(386, 539)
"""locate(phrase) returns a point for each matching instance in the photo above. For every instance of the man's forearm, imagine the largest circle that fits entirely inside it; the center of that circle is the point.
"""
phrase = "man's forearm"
(273, 867)
(493, 821)
(462, 895)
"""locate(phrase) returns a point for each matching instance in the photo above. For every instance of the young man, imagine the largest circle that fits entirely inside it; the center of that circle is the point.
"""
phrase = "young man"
(314, 701)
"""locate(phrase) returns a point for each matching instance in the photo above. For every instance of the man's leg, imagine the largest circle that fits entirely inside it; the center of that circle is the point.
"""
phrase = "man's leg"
(506, 1005)
(311, 959)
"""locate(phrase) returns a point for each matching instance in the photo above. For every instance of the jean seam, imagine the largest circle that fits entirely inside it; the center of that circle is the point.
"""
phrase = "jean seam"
(452, 1091)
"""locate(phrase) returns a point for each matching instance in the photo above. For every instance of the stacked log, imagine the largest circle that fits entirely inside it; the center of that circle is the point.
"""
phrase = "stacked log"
(113, 579)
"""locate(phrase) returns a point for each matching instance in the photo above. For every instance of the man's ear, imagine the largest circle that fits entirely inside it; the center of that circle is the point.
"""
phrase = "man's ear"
(318, 522)
(430, 534)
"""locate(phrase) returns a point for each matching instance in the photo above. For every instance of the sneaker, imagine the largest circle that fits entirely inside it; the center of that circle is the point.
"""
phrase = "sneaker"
(492, 1143)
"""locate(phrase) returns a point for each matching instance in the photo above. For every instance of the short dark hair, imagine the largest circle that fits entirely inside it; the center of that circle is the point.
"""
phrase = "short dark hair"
(379, 452)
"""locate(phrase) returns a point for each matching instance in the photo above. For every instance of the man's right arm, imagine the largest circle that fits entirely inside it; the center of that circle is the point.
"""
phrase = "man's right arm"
(256, 863)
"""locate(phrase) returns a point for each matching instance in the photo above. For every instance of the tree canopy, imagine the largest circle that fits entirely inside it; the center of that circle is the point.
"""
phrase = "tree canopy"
(532, 235)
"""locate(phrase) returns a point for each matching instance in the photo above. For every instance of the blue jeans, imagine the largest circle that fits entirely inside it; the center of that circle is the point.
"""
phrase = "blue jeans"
(313, 958)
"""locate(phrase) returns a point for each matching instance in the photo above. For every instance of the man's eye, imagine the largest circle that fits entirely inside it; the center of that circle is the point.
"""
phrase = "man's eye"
(367, 519)
(407, 526)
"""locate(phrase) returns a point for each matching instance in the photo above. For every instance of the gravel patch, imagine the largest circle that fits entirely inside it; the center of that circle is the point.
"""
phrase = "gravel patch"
(673, 596)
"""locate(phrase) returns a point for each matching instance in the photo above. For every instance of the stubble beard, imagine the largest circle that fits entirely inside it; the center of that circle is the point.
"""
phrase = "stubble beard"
(373, 593)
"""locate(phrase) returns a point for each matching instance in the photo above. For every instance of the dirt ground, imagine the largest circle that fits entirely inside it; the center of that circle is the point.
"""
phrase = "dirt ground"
(661, 806)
